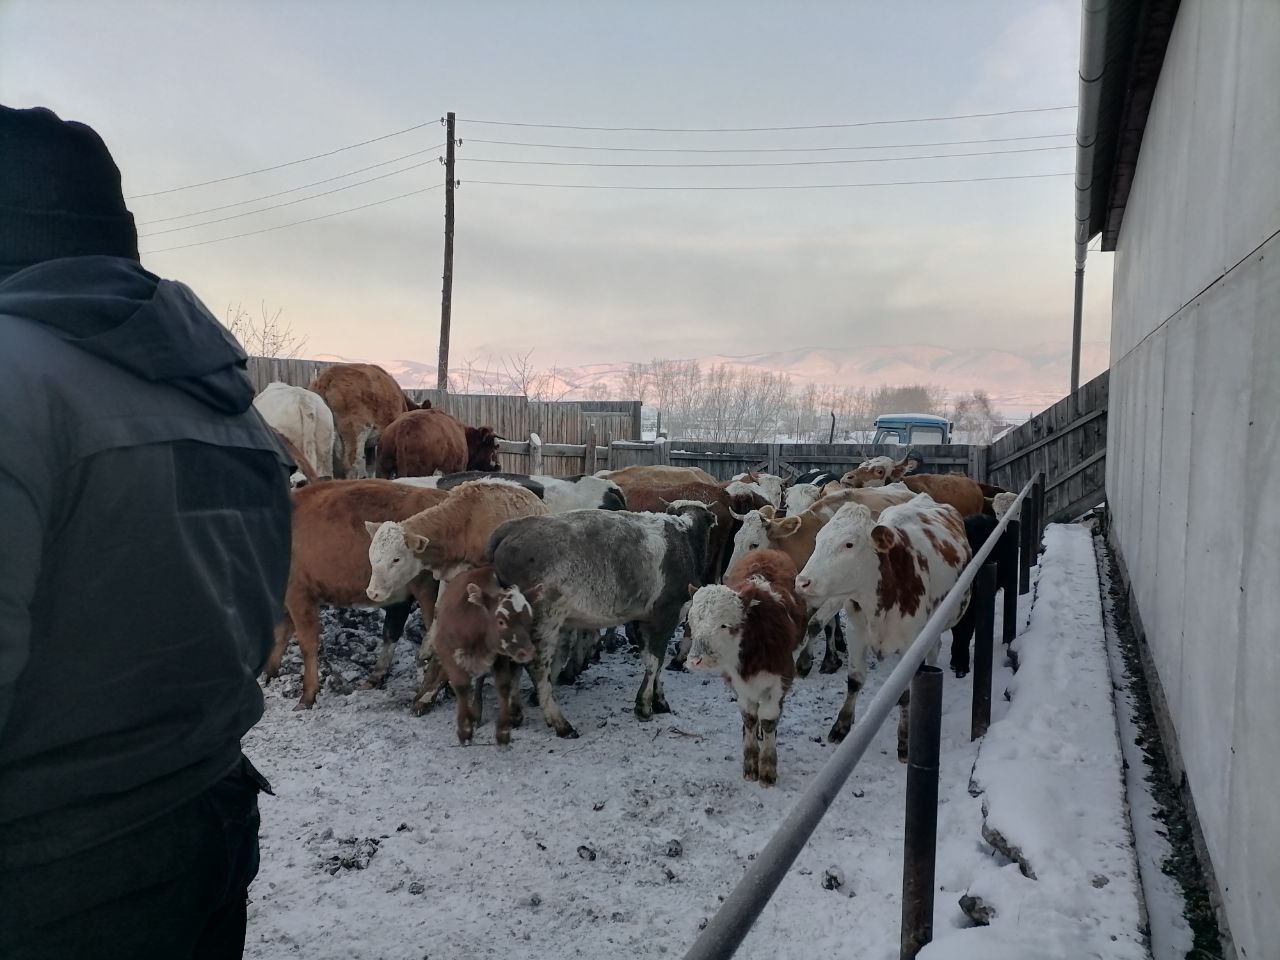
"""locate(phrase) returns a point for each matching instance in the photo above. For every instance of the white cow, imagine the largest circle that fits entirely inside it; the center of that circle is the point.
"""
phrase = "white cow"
(894, 572)
(304, 418)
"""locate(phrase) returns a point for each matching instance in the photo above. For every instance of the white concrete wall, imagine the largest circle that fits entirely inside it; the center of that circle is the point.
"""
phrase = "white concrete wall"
(1193, 458)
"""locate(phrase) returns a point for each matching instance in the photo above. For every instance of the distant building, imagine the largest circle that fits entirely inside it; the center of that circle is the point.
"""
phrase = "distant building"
(1185, 188)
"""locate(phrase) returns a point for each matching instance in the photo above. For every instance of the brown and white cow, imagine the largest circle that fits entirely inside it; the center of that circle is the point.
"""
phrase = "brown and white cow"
(795, 535)
(481, 627)
(750, 491)
(748, 629)
(894, 572)
(364, 399)
(419, 443)
(961, 492)
(447, 538)
(330, 565)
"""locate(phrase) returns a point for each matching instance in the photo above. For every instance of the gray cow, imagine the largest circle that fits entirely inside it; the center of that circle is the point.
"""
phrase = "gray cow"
(597, 568)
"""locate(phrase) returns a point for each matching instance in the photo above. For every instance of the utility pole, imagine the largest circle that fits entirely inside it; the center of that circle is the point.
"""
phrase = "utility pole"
(446, 291)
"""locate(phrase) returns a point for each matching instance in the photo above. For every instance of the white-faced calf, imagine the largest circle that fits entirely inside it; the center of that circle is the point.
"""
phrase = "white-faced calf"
(748, 629)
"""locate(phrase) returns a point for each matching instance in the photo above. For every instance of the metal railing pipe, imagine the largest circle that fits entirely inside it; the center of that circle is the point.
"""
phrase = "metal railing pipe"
(920, 826)
(731, 923)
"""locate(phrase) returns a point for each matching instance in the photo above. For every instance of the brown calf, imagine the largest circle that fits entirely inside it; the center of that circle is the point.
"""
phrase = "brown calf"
(330, 565)
(481, 628)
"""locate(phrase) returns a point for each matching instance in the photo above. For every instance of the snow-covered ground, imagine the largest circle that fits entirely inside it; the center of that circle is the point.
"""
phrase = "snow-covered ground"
(388, 840)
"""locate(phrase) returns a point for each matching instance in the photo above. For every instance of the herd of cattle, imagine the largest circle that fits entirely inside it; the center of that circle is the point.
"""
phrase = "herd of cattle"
(514, 571)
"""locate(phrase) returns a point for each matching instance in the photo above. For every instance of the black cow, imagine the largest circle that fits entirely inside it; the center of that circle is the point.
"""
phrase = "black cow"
(1005, 556)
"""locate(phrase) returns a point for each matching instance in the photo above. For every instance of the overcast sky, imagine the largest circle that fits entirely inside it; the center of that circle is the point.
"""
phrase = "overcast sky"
(185, 92)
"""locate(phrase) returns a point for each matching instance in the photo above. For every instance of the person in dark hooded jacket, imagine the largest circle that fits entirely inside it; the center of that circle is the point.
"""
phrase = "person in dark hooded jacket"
(144, 552)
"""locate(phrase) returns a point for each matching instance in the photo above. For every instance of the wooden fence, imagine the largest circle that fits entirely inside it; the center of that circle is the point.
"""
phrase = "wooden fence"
(298, 373)
(512, 417)
(1069, 443)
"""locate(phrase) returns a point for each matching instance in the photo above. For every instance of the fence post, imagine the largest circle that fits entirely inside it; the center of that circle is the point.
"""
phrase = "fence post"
(984, 598)
(775, 460)
(589, 451)
(978, 462)
(921, 827)
(1026, 524)
(1009, 542)
(1037, 498)
(535, 454)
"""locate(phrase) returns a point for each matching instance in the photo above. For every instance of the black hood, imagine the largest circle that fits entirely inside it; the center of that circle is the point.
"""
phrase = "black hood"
(156, 329)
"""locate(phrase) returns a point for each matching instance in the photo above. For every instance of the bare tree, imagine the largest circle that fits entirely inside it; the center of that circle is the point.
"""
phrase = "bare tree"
(598, 391)
(636, 382)
(974, 417)
(265, 335)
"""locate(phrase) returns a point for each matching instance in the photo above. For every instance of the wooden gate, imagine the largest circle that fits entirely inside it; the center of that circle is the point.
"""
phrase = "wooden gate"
(1069, 443)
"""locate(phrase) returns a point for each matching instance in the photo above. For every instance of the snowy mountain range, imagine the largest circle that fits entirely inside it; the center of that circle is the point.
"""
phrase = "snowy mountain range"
(1019, 381)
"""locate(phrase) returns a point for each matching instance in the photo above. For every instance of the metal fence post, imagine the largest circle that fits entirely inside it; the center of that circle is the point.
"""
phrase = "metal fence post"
(1009, 582)
(984, 596)
(921, 827)
(1037, 500)
(1026, 526)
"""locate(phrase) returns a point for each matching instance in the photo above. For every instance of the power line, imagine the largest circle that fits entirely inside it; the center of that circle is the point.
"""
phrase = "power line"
(873, 146)
(765, 163)
(794, 186)
(812, 126)
(294, 223)
(288, 163)
(281, 193)
(288, 203)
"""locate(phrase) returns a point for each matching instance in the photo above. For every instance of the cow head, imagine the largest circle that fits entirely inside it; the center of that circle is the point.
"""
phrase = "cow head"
(716, 616)
(752, 535)
(879, 471)
(799, 497)
(844, 557)
(482, 449)
(695, 513)
(512, 624)
(393, 565)
(514, 616)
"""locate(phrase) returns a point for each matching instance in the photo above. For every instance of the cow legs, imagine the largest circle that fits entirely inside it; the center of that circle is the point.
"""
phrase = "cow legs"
(857, 640)
(547, 634)
(817, 620)
(284, 630)
(348, 464)
(655, 635)
(426, 592)
(961, 634)
(393, 621)
(307, 621)
(768, 712)
(467, 718)
(750, 741)
(830, 659)
(503, 670)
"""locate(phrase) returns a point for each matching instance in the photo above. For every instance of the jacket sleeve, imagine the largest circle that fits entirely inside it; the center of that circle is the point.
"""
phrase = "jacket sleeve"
(23, 507)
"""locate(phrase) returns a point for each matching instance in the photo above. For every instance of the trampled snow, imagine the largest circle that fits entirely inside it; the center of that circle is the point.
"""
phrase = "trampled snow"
(389, 840)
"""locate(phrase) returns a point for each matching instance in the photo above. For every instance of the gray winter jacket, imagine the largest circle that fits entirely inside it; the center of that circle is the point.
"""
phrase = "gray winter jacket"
(144, 552)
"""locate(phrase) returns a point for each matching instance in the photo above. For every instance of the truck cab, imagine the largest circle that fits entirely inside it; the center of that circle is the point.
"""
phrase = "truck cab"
(910, 429)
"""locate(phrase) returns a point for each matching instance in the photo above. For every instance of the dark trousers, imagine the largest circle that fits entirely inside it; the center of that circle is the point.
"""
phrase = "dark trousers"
(174, 889)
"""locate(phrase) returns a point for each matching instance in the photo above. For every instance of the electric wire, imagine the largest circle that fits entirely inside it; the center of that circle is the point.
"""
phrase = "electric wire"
(869, 146)
(281, 193)
(809, 126)
(294, 223)
(792, 186)
(287, 203)
(762, 163)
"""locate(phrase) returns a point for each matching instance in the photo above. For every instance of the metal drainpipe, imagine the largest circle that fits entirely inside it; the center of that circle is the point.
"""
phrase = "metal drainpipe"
(1093, 53)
